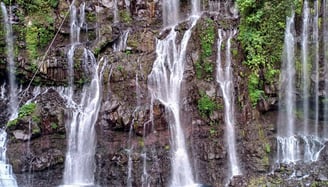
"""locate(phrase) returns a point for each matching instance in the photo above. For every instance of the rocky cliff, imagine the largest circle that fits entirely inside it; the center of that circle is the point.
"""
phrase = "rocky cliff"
(129, 122)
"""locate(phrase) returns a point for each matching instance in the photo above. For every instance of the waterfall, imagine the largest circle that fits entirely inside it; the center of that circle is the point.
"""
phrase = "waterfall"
(120, 45)
(325, 62)
(316, 66)
(287, 143)
(170, 12)
(164, 84)
(7, 177)
(3, 92)
(298, 133)
(224, 78)
(79, 163)
(116, 16)
(195, 8)
(13, 103)
(305, 71)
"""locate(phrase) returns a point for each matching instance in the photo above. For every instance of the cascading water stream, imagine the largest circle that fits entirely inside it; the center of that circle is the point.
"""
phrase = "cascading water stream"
(7, 178)
(79, 163)
(299, 137)
(305, 70)
(121, 44)
(316, 66)
(3, 92)
(225, 80)
(325, 62)
(115, 10)
(13, 101)
(164, 84)
(195, 8)
(287, 143)
(170, 12)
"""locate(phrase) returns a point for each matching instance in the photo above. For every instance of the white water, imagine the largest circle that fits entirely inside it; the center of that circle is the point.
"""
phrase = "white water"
(7, 178)
(286, 142)
(121, 43)
(305, 70)
(13, 101)
(299, 139)
(164, 85)
(170, 12)
(116, 16)
(325, 62)
(3, 92)
(225, 80)
(316, 66)
(195, 7)
(130, 151)
(79, 163)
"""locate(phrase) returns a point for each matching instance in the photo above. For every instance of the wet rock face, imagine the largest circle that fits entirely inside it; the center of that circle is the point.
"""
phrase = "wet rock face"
(129, 122)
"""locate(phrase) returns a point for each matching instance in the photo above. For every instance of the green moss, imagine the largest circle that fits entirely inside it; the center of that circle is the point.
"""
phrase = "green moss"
(36, 119)
(91, 17)
(141, 142)
(256, 182)
(36, 130)
(319, 183)
(125, 16)
(199, 70)
(267, 147)
(12, 123)
(53, 125)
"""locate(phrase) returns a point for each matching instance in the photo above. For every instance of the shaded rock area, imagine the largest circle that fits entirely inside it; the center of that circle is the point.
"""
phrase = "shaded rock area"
(129, 122)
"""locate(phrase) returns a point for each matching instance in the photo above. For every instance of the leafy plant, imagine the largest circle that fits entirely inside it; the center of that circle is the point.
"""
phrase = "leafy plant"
(206, 105)
(53, 125)
(207, 37)
(261, 33)
(26, 110)
(253, 88)
(125, 16)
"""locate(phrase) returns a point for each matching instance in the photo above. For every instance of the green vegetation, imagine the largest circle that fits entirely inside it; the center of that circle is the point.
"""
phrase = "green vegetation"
(261, 33)
(267, 147)
(207, 38)
(25, 110)
(255, 92)
(319, 183)
(206, 105)
(125, 16)
(12, 123)
(204, 66)
(38, 29)
(53, 125)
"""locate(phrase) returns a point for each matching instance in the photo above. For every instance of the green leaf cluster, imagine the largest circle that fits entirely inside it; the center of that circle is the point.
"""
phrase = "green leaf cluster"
(261, 33)
(26, 110)
(206, 105)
